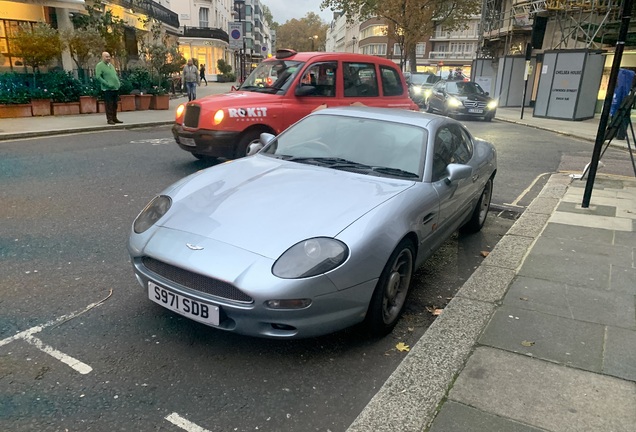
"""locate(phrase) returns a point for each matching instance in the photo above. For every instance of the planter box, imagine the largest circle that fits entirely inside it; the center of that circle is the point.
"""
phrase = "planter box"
(66, 108)
(142, 102)
(41, 107)
(160, 102)
(102, 108)
(15, 110)
(127, 102)
(88, 104)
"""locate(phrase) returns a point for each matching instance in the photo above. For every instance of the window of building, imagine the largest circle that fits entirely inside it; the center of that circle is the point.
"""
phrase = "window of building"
(374, 49)
(375, 30)
(204, 17)
(397, 49)
(420, 49)
(8, 28)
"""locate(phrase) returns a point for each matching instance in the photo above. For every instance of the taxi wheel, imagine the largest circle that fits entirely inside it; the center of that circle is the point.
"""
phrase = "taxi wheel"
(247, 139)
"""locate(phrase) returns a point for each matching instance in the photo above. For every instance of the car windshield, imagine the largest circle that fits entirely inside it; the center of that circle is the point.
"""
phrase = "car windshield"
(464, 88)
(361, 145)
(420, 79)
(272, 76)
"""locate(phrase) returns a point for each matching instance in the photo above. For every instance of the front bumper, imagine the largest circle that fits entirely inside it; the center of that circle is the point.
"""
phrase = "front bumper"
(206, 142)
(472, 112)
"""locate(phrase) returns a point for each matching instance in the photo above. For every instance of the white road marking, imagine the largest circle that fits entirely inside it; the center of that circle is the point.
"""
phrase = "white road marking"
(520, 197)
(80, 367)
(27, 335)
(154, 141)
(184, 424)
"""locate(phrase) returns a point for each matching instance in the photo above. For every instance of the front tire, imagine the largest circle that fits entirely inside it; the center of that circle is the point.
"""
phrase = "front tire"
(478, 218)
(247, 139)
(391, 291)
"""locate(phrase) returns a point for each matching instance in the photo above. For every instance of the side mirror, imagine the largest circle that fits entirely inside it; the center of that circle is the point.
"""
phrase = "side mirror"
(266, 138)
(254, 148)
(457, 172)
(305, 90)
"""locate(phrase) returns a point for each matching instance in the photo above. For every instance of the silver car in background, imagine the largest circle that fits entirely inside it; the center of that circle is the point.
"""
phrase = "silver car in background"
(319, 230)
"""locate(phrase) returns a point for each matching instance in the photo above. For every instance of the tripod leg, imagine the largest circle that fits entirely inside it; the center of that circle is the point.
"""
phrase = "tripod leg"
(629, 147)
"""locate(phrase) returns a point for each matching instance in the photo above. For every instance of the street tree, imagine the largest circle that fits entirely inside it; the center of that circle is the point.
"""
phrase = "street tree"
(83, 44)
(109, 26)
(269, 18)
(38, 45)
(409, 21)
(299, 34)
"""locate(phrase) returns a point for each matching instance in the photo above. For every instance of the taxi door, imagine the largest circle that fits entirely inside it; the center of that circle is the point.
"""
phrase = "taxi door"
(316, 89)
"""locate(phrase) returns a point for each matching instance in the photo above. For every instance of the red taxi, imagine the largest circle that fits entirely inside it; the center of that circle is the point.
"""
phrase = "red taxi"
(282, 90)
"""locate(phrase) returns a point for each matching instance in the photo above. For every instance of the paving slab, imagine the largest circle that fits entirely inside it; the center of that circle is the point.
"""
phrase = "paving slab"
(578, 233)
(546, 336)
(456, 417)
(623, 279)
(583, 304)
(545, 395)
(542, 205)
(509, 253)
(620, 353)
(487, 283)
(529, 225)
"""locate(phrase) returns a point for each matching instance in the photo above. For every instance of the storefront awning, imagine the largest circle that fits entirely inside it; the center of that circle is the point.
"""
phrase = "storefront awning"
(67, 4)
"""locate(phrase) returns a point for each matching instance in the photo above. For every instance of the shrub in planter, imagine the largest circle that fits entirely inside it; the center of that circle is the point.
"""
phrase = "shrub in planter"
(62, 86)
(13, 89)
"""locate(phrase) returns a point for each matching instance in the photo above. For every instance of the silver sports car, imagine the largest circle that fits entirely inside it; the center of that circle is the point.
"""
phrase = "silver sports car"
(319, 230)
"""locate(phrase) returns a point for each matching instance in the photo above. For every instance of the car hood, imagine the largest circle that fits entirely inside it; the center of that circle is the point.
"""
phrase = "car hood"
(265, 205)
(473, 97)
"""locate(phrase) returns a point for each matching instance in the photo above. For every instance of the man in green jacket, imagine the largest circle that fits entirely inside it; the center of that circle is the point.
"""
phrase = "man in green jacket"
(107, 76)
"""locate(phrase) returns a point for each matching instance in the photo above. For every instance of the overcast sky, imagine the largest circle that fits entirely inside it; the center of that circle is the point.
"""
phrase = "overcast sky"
(285, 10)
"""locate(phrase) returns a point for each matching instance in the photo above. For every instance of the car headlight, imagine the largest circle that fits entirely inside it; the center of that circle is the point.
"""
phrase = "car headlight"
(310, 258)
(417, 90)
(218, 117)
(492, 104)
(152, 213)
(427, 92)
(180, 110)
(454, 102)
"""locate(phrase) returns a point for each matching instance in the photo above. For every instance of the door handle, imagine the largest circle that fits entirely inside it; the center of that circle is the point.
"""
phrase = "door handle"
(475, 177)
(429, 217)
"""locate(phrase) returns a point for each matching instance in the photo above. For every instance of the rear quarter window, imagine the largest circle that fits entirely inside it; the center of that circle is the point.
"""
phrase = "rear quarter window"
(391, 82)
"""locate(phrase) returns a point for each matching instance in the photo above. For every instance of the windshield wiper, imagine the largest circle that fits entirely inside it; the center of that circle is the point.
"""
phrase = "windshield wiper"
(395, 172)
(331, 162)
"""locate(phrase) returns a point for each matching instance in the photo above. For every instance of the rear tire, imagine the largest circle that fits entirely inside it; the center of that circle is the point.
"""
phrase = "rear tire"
(246, 140)
(391, 291)
(478, 218)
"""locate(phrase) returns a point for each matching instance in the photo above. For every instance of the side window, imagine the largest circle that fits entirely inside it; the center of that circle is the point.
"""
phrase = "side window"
(391, 82)
(464, 151)
(450, 147)
(360, 80)
(321, 76)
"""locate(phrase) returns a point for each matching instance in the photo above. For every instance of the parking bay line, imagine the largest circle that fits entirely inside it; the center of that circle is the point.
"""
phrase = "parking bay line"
(184, 424)
(27, 336)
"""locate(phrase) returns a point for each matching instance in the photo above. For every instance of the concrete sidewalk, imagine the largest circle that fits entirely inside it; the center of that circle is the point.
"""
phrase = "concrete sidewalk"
(16, 128)
(542, 337)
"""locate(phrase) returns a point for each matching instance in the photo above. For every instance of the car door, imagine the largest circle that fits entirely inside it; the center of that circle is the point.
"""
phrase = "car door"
(455, 199)
(315, 89)
(360, 84)
(436, 99)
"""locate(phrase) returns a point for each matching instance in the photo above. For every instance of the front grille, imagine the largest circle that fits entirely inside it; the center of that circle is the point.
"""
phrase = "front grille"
(196, 281)
(474, 104)
(191, 118)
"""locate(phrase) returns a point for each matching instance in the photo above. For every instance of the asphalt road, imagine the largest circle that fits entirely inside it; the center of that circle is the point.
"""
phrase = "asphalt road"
(106, 358)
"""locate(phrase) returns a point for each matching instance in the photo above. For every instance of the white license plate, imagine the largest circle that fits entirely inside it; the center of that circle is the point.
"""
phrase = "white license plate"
(187, 307)
(187, 141)
(475, 110)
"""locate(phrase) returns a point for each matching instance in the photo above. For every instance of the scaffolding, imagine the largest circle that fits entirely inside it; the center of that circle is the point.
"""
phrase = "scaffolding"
(507, 24)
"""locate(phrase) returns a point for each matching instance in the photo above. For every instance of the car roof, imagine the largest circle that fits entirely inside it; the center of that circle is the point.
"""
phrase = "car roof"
(396, 115)
(306, 56)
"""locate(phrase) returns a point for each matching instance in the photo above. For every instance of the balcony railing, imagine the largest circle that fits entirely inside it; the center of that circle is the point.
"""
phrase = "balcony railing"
(443, 55)
(205, 33)
(446, 36)
(152, 9)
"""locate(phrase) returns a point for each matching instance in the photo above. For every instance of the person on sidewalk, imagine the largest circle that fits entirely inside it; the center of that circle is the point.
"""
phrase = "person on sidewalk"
(191, 79)
(106, 74)
(202, 71)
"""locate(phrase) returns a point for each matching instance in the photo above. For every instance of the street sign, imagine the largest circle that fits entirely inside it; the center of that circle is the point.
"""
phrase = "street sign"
(236, 35)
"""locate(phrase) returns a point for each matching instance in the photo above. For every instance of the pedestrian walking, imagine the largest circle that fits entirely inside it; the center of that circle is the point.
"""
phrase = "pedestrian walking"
(202, 70)
(109, 82)
(191, 79)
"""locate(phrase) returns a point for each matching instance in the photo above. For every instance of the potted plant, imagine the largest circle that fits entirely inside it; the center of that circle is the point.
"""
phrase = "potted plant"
(65, 91)
(127, 99)
(88, 98)
(14, 97)
(139, 78)
(226, 74)
(40, 101)
(160, 98)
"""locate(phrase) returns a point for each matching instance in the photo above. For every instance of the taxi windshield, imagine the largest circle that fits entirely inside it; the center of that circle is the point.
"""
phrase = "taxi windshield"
(273, 77)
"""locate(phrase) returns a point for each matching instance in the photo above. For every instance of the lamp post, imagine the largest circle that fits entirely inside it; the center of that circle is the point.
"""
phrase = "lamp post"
(237, 11)
(313, 39)
(354, 40)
